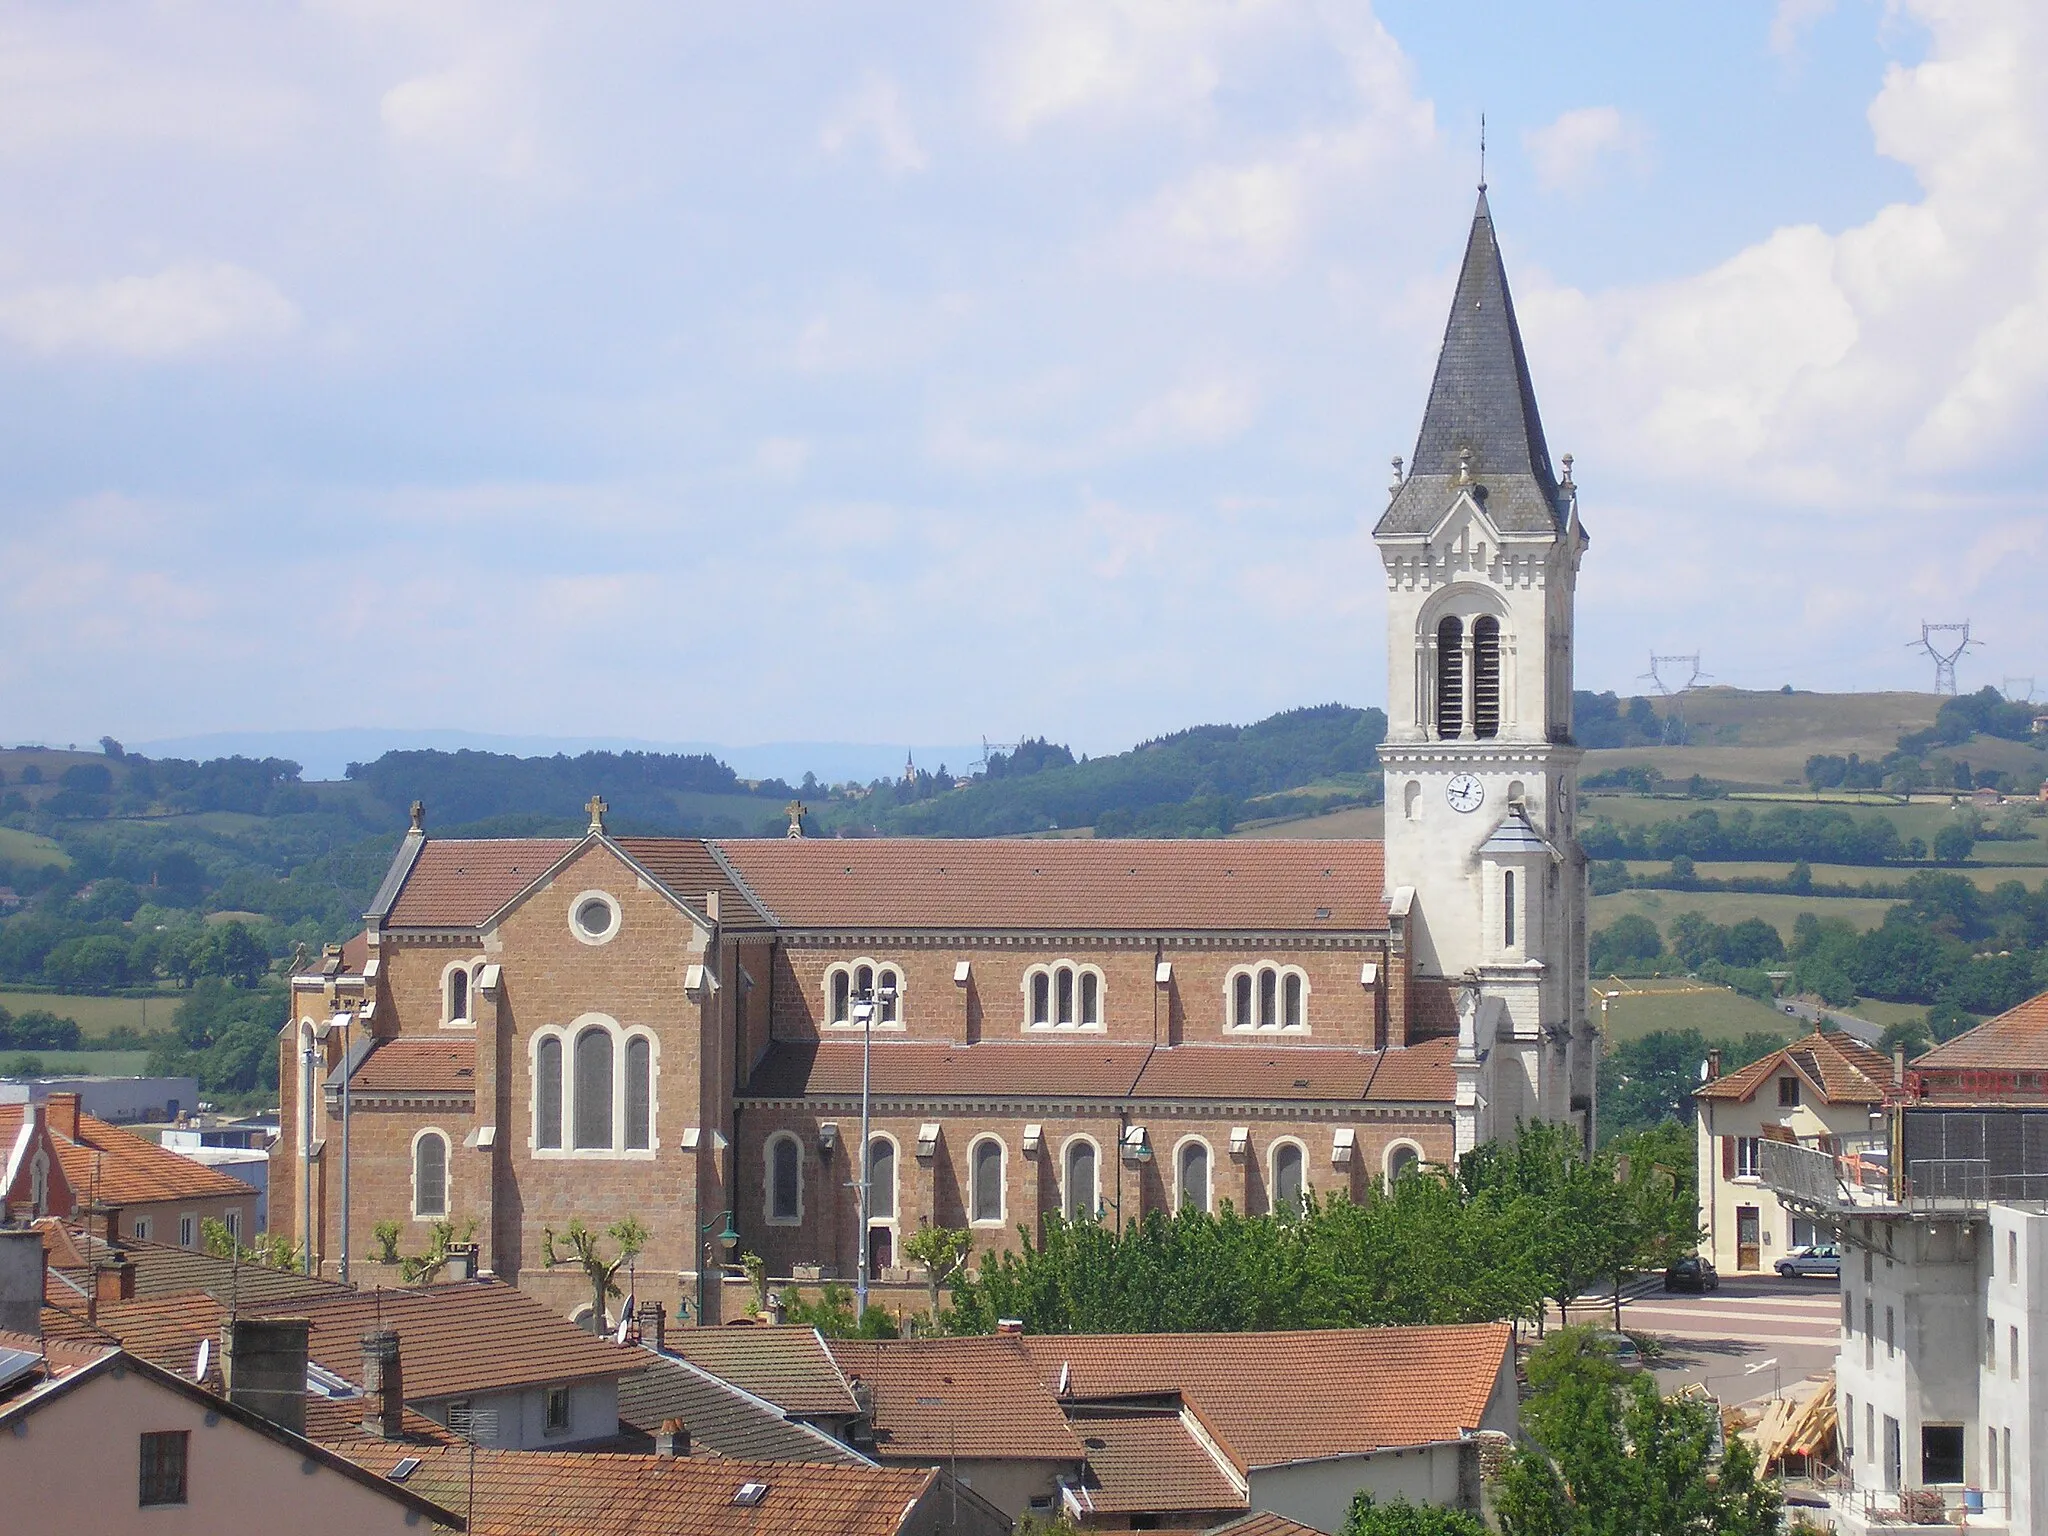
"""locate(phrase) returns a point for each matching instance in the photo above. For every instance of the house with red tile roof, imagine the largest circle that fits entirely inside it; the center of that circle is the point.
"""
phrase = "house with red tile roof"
(1824, 1090)
(691, 1032)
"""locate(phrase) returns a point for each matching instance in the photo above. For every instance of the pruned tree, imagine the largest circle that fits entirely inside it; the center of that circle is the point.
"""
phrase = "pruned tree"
(942, 1251)
(628, 1238)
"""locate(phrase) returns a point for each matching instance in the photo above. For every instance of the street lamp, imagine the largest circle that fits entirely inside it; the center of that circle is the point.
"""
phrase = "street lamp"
(864, 1015)
(343, 1019)
(727, 1239)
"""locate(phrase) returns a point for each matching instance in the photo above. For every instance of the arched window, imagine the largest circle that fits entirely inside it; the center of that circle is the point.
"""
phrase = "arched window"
(639, 1095)
(1402, 1162)
(842, 1001)
(1288, 1184)
(986, 1162)
(1091, 998)
(593, 1097)
(547, 1092)
(1450, 678)
(1486, 677)
(887, 991)
(1269, 997)
(1292, 1015)
(1241, 1016)
(1041, 998)
(1063, 995)
(1507, 893)
(1194, 1175)
(1411, 800)
(430, 1174)
(785, 1180)
(863, 982)
(1081, 1198)
(881, 1179)
(458, 995)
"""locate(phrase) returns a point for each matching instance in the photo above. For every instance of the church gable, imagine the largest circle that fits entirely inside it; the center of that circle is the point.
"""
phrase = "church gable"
(34, 1182)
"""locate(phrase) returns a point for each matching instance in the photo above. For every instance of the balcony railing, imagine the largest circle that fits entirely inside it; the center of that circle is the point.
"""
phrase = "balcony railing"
(1852, 1181)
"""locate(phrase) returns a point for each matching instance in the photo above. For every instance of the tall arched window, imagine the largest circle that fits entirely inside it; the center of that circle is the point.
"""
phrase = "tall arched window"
(1292, 1015)
(785, 1180)
(458, 994)
(1402, 1162)
(881, 1179)
(1268, 997)
(1041, 998)
(1241, 1015)
(1063, 996)
(593, 1089)
(1507, 894)
(842, 998)
(886, 991)
(1091, 998)
(430, 1174)
(987, 1181)
(1081, 1201)
(1486, 676)
(1194, 1175)
(547, 1093)
(1288, 1183)
(639, 1075)
(1450, 678)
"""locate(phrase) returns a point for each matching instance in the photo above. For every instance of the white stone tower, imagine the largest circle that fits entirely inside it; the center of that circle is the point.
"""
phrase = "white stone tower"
(1482, 543)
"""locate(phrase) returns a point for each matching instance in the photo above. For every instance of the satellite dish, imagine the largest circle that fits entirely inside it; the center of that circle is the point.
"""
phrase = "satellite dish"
(619, 1335)
(205, 1358)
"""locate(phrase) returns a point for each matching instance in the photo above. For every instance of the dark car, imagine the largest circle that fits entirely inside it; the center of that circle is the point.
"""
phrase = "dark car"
(1819, 1260)
(1693, 1272)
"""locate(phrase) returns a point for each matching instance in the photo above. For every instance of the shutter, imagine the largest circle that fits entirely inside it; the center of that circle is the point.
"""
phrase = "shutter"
(1727, 1157)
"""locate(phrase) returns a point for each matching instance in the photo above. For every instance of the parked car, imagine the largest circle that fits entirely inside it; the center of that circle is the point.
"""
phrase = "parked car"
(1818, 1260)
(1692, 1272)
(1621, 1348)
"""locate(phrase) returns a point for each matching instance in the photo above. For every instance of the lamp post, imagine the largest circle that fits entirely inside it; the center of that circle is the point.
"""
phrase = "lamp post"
(728, 1240)
(864, 1011)
(345, 1018)
(309, 1084)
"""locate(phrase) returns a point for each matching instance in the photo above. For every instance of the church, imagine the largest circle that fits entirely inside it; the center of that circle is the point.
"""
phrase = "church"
(686, 1031)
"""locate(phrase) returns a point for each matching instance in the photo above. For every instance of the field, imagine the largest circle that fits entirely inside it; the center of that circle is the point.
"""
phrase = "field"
(18, 847)
(1715, 1012)
(97, 1015)
(99, 1063)
(1731, 907)
(1366, 821)
(1984, 876)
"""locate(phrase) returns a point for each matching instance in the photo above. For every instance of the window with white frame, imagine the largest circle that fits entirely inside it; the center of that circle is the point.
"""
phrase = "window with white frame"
(785, 1181)
(458, 991)
(1290, 1178)
(1063, 995)
(593, 1089)
(1191, 1175)
(985, 1182)
(1748, 1157)
(848, 984)
(429, 1175)
(1404, 1159)
(1268, 997)
(139, 1229)
(235, 1222)
(188, 1230)
(881, 1204)
(1080, 1195)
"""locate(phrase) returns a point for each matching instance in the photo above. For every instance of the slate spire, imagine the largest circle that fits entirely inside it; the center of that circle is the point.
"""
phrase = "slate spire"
(1482, 404)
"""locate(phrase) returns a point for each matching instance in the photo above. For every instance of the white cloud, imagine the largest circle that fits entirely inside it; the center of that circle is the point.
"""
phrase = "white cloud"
(1573, 149)
(193, 308)
(875, 113)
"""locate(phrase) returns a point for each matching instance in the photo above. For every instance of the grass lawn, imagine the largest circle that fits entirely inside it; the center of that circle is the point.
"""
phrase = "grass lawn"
(1367, 821)
(1921, 820)
(1715, 1012)
(19, 847)
(1984, 876)
(1731, 907)
(97, 1015)
(102, 1063)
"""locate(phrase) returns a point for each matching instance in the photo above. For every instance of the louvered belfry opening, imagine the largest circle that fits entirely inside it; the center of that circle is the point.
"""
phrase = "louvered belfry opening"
(1486, 677)
(1450, 678)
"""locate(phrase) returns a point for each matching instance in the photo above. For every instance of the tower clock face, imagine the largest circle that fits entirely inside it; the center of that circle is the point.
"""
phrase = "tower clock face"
(1465, 793)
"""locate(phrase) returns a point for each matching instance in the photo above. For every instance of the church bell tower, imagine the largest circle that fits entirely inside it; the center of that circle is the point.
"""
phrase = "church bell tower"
(1482, 542)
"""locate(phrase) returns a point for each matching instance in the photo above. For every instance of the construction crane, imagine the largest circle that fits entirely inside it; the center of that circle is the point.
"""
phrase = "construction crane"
(1663, 675)
(1946, 644)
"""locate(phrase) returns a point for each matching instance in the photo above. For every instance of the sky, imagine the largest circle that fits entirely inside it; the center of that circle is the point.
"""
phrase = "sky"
(905, 374)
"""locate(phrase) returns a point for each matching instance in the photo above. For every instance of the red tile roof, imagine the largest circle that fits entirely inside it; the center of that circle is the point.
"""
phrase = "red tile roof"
(1072, 1069)
(1115, 885)
(337, 1422)
(789, 1367)
(689, 868)
(418, 1064)
(977, 1397)
(2016, 1040)
(1149, 1460)
(123, 1168)
(1841, 1068)
(551, 1493)
(459, 883)
(166, 1330)
(1263, 1523)
(1271, 1398)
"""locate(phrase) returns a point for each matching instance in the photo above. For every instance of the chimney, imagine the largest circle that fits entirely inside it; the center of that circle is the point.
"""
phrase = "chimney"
(672, 1440)
(21, 1280)
(1713, 1066)
(1899, 1065)
(383, 1387)
(263, 1367)
(778, 1308)
(711, 905)
(654, 1325)
(63, 1115)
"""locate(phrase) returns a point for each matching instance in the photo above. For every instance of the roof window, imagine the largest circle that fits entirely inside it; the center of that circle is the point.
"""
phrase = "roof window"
(404, 1469)
(750, 1494)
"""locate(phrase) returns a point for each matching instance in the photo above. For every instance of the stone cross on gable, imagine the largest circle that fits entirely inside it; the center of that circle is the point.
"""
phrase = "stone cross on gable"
(597, 808)
(795, 811)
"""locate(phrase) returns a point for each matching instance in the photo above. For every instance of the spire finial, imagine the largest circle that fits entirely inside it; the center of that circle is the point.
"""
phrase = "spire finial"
(419, 815)
(597, 808)
(1482, 151)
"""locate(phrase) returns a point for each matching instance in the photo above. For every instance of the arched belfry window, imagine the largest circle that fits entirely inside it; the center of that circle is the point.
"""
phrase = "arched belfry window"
(1450, 678)
(1485, 677)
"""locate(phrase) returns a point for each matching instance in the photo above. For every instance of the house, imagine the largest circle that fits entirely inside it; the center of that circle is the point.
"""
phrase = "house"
(1823, 1090)
(532, 1030)
(1942, 1377)
(134, 1187)
(94, 1439)
(790, 1367)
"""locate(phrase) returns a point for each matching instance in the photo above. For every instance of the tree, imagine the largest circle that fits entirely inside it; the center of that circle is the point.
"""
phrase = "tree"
(1953, 843)
(941, 1250)
(627, 1236)
(1400, 1518)
(1604, 1455)
(1630, 939)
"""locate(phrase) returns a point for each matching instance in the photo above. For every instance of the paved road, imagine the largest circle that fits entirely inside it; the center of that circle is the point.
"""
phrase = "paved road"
(1863, 1029)
(1754, 1336)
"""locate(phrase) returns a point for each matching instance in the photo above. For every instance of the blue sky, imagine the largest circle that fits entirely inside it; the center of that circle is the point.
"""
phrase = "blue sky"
(906, 373)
